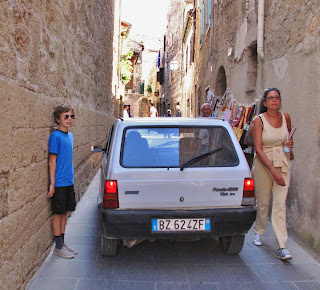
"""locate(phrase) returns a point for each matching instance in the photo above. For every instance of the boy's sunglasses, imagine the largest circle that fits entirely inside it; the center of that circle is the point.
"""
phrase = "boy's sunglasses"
(67, 116)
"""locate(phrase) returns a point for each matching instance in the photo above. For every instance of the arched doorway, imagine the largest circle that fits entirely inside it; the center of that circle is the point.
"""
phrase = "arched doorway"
(221, 82)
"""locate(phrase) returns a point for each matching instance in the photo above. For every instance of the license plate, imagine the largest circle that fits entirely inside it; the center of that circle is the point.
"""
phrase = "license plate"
(178, 225)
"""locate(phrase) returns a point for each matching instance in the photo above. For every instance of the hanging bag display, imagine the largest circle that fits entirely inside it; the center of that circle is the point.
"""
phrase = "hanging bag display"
(247, 122)
(239, 130)
(237, 120)
(227, 111)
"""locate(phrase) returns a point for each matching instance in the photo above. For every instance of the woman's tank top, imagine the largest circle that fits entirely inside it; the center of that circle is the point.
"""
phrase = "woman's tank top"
(272, 136)
(272, 144)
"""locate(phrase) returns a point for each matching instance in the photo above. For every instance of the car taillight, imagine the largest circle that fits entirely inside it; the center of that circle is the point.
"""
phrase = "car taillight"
(248, 188)
(248, 197)
(110, 197)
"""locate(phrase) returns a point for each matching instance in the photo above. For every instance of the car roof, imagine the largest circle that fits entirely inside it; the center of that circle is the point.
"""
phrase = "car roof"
(171, 121)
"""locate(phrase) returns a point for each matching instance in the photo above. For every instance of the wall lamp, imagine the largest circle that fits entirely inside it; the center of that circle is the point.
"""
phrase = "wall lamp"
(174, 67)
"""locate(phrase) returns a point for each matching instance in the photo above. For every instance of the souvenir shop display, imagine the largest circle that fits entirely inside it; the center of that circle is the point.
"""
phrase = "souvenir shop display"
(238, 130)
(240, 116)
(213, 101)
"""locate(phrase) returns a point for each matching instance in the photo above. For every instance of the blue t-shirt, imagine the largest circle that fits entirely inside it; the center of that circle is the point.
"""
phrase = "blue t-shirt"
(61, 144)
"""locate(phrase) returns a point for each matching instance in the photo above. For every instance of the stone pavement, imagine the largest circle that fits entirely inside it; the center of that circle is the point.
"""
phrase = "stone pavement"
(169, 264)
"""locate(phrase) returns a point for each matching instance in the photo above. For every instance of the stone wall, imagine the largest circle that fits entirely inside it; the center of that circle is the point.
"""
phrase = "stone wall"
(50, 52)
(172, 86)
(292, 63)
(232, 31)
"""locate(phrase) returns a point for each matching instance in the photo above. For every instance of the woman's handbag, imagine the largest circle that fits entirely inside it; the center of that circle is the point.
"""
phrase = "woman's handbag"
(248, 139)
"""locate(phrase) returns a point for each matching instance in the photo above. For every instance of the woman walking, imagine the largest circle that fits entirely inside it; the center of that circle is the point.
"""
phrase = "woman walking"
(271, 169)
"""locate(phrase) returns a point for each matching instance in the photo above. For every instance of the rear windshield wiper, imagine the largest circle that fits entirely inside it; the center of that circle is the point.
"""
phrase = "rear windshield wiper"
(199, 157)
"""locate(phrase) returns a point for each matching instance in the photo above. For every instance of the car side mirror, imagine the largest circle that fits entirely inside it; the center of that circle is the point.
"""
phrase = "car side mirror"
(96, 148)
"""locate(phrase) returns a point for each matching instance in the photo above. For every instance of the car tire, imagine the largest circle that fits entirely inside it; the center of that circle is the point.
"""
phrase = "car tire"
(108, 246)
(231, 245)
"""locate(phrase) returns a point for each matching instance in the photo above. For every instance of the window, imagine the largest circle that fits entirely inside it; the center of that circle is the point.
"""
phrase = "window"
(202, 22)
(187, 59)
(199, 98)
(142, 87)
(173, 146)
(252, 67)
(208, 19)
(192, 48)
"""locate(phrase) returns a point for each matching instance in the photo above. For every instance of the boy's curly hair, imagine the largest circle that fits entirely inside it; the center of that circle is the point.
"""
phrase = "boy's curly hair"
(61, 109)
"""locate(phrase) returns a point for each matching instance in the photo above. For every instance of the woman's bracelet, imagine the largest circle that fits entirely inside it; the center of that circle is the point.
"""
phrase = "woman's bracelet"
(270, 166)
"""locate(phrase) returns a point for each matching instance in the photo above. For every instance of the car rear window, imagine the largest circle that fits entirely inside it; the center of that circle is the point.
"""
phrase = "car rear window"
(173, 147)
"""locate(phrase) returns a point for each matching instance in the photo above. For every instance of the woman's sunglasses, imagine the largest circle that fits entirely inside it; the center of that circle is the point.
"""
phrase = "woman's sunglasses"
(67, 116)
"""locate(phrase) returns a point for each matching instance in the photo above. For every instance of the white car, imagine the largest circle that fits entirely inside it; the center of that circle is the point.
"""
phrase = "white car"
(174, 178)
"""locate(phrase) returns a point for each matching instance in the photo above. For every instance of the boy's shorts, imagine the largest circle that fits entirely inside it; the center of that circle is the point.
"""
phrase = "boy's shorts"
(63, 200)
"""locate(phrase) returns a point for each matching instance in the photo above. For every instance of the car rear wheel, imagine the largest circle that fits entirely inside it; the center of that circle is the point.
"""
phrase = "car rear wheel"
(232, 245)
(108, 246)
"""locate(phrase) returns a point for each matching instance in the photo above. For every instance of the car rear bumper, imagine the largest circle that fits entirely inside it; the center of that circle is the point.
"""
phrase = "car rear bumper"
(137, 224)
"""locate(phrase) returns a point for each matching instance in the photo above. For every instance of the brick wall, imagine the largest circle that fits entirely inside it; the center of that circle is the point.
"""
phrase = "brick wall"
(50, 52)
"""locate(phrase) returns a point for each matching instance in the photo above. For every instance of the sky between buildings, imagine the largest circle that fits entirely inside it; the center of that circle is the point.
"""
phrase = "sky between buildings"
(148, 17)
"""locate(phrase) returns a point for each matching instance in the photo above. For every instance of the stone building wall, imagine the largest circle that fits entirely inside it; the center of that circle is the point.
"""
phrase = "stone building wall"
(172, 87)
(51, 52)
(225, 43)
(292, 63)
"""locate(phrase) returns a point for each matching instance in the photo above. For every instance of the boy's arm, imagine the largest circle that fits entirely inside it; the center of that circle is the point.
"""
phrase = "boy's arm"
(52, 173)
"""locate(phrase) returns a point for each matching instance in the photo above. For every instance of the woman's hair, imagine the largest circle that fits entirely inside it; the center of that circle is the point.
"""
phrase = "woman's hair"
(267, 91)
(263, 108)
(61, 109)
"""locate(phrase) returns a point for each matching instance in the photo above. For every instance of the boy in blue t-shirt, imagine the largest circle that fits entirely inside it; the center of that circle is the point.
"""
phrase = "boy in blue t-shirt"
(61, 190)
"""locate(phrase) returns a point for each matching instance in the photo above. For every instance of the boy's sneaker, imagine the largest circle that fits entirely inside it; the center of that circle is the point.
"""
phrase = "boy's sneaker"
(64, 253)
(284, 254)
(256, 240)
(71, 250)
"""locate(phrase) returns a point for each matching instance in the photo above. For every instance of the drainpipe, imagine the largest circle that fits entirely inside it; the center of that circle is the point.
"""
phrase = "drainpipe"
(260, 34)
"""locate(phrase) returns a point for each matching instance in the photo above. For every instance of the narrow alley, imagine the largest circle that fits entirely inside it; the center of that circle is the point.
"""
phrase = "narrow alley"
(116, 59)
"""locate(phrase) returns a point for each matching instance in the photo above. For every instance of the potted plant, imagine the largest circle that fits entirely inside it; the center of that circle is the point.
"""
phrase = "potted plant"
(149, 89)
